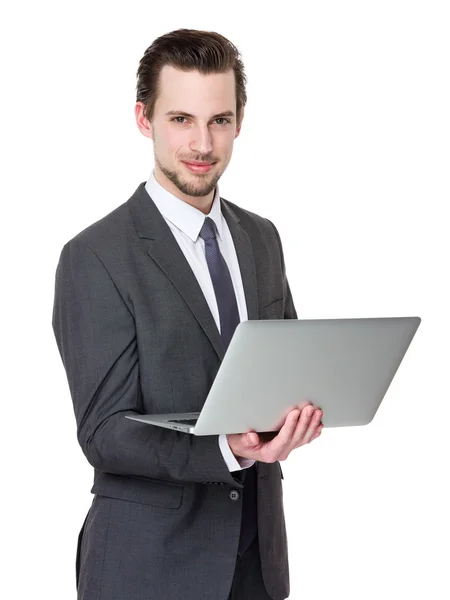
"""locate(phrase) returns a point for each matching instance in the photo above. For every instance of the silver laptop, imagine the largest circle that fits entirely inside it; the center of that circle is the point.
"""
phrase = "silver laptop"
(343, 366)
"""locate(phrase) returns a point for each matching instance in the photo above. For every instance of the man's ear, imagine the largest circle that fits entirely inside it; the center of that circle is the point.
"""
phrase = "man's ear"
(144, 125)
(238, 128)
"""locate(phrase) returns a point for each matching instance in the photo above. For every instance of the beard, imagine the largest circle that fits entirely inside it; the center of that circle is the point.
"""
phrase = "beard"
(201, 187)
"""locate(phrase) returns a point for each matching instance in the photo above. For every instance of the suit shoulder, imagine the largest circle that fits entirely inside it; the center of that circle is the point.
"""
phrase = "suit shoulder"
(114, 226)
(248, 217)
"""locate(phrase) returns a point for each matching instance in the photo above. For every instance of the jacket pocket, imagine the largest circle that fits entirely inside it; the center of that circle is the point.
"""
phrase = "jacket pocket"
(155, 492)
(274, 310)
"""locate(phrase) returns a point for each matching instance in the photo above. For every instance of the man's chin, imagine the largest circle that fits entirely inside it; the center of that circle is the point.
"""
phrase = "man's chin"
(196, 191)
(197, 184)
(192, 184)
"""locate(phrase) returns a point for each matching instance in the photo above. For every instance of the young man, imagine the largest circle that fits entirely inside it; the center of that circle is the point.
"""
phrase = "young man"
(146, 302)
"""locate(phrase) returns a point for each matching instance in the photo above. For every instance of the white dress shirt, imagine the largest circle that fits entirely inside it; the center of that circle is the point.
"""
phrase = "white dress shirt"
(185, 222)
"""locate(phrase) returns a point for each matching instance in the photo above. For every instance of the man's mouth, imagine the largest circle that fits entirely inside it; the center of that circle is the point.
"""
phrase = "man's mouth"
(198, 167)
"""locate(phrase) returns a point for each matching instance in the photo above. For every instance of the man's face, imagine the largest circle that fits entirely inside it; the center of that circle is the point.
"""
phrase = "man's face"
(194, 120)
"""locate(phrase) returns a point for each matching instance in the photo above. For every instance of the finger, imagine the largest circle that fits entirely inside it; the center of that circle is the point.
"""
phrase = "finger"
(302, 426)
(318, 432)
(314, 421)
(311, 422)
(283, 440)
(252, 438)
(313, 426)
(281, 445)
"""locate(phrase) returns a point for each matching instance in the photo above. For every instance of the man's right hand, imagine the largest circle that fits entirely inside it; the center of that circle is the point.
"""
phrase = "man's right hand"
(302, 426)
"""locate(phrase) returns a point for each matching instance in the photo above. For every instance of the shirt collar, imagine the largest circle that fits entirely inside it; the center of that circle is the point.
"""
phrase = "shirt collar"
(184, 216)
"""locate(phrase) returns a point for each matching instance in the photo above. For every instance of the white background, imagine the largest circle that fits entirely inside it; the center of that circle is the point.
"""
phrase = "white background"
(345, 146)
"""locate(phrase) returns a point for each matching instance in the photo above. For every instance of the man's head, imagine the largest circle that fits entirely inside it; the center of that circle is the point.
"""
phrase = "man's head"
(190, 99)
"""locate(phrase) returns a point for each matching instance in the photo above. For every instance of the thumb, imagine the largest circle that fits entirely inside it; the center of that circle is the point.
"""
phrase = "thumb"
(252, 438)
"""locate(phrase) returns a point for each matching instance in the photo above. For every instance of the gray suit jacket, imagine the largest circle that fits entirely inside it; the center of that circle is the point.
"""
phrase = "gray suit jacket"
(136, 335)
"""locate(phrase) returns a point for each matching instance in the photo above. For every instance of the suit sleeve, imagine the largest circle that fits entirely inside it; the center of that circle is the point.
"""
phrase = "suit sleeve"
(96, 337)
(289, 309)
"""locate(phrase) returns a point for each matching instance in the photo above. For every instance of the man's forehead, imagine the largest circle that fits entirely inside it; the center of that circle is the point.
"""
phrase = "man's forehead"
(212, 85)
(184, 92)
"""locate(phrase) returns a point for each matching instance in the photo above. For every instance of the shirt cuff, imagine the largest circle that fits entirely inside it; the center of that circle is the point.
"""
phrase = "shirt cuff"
(233, 463)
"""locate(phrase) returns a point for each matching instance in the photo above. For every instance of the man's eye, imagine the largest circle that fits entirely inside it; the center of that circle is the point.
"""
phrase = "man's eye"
(219, 120)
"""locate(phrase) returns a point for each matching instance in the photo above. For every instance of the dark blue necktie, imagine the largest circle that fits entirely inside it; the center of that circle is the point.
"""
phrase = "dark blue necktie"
(221, 279)
(229, 320)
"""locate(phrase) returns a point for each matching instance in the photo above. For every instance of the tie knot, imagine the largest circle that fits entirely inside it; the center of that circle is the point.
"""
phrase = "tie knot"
(208, 230)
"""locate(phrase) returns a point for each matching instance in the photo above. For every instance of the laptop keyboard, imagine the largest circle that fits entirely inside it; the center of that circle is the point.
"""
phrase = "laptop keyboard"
(184, 421)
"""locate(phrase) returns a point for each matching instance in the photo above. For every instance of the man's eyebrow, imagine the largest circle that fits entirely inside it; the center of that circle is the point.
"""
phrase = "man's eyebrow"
(182, 113)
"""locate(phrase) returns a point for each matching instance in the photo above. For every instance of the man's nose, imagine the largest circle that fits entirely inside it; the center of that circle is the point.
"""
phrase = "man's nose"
(202, 140)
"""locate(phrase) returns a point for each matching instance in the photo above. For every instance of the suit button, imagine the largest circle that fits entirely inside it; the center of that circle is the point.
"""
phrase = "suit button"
(234, 495)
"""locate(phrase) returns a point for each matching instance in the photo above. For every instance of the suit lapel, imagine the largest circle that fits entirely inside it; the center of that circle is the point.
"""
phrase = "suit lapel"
(246, 260)
(167, 254)
(170, 258)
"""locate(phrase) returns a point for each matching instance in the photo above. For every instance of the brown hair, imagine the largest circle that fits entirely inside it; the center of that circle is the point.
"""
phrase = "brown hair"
(189, 50)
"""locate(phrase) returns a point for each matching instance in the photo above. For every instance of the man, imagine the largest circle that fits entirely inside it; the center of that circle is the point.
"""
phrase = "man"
(146, 302)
